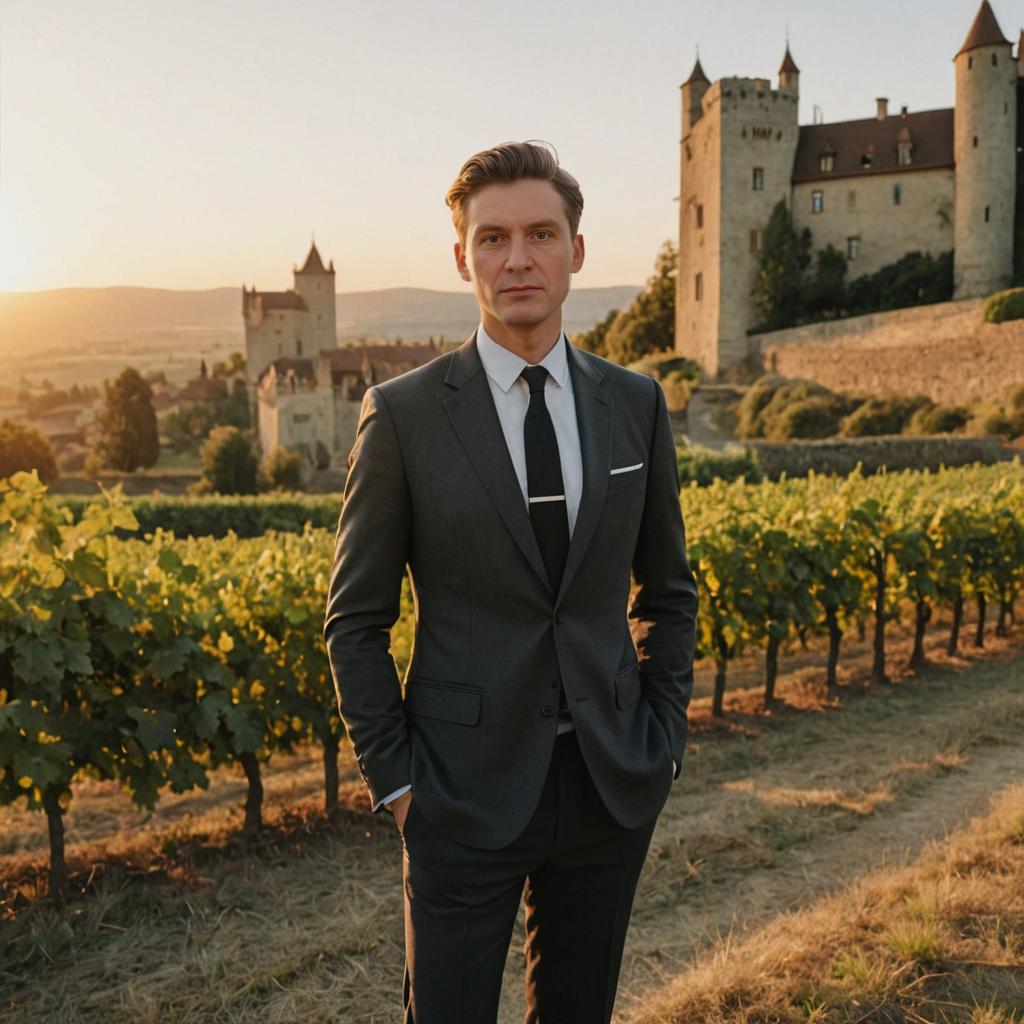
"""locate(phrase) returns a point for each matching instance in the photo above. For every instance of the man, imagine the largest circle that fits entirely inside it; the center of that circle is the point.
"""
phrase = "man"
(519, 481)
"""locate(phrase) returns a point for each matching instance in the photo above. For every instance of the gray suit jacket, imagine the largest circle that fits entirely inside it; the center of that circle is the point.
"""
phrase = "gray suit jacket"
(431, 487)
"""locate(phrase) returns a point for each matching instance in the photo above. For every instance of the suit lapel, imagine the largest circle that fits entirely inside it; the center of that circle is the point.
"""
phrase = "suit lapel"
(475, 420)
(594, 409)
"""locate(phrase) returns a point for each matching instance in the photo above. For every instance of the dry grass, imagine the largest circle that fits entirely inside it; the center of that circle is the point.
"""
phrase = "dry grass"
(939, 941)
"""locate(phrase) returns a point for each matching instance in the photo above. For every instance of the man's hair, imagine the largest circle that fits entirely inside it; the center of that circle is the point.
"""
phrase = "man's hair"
(512, 161)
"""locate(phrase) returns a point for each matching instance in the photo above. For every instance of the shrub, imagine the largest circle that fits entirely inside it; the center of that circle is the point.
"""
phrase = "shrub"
(758, 395)
(938, 419)
(879, 416)
(704, 465)
(790, 393)
(281, 470)
(814, 417)
(229, 462)
(1008, 305)
(24, 448)
(1001, 425)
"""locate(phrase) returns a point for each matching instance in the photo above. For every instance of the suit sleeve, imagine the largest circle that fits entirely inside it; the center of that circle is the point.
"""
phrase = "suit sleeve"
(364, 601)
(663, 613)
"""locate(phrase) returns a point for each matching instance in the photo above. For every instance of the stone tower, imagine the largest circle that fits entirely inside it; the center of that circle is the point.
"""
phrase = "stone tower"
(315, 284)
(985, 129)
(739, 141)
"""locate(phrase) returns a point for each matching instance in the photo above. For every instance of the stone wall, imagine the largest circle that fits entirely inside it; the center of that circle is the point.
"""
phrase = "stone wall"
(795, 458)
(865, 208)
(945, 351)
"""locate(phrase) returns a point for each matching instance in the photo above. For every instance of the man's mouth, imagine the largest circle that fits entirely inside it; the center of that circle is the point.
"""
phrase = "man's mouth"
(521, 289)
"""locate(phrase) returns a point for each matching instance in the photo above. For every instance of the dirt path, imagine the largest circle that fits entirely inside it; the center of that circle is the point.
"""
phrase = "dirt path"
(765, 818)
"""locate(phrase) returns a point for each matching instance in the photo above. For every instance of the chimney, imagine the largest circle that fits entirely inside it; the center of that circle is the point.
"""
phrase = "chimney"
(883, 108)
(903, 111)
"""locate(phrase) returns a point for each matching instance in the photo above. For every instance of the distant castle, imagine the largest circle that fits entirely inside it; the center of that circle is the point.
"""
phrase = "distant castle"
(875, 189)
(305, 390)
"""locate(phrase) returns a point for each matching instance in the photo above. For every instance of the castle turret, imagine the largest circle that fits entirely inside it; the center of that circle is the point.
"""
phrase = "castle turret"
(789, 73)
(736, 163)
(315, 284)
(693, 92)
(984, 144)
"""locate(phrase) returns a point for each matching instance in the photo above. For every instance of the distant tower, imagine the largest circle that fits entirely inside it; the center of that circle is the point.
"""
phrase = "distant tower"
(315, 283)
(736, 162)
(984, 143)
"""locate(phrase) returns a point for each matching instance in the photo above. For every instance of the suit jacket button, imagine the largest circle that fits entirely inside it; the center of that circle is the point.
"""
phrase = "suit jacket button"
(547, 711)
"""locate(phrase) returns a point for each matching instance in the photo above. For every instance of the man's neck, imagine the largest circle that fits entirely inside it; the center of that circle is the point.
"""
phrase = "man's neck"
(531, 343)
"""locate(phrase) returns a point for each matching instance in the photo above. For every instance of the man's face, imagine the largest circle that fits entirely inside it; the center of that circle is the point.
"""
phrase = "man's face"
(518, 254)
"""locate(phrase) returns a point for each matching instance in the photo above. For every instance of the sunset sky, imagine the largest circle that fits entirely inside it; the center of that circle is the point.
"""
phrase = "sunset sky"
(198, 144)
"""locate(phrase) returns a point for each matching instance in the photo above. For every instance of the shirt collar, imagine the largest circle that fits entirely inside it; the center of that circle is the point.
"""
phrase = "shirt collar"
(504, 367)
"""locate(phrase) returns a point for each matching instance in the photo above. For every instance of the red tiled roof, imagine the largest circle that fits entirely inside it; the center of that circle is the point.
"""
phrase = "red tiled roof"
(985, 31)
(931, 132)
(352, 357)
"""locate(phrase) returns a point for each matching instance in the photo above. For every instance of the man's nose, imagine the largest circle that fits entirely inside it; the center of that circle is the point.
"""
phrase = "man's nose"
(517, 256)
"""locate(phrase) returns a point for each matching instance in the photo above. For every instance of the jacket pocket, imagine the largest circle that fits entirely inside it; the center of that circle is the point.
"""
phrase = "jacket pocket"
(449, 702)
(627, 687)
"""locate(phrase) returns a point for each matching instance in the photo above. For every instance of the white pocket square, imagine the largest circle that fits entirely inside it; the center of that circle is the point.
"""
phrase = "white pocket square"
(626, 469)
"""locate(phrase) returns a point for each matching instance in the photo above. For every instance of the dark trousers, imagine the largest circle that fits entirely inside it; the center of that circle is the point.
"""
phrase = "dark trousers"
(580, 869)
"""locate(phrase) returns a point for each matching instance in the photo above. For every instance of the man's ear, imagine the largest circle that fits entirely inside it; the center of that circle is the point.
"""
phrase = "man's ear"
(460, 262)
(578, 252)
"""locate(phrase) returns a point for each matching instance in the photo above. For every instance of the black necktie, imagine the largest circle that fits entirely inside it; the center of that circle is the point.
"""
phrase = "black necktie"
(548, 512)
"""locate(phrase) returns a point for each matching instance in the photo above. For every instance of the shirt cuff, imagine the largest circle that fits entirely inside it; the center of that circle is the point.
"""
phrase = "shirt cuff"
(384, 801)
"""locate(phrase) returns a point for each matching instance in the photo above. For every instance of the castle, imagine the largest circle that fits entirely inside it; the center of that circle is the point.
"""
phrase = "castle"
(305, 390)
(875, 189)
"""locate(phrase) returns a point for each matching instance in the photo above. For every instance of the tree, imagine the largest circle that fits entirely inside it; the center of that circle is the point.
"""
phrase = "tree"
(593, 340)
(230, 465)
(825, 293)
(127, 428)
(24, 448)
(649, 322)
(781, 264)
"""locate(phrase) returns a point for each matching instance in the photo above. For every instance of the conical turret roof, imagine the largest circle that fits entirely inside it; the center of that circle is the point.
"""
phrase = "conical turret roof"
(788, 64)
(697, 75)
(313, 264)
(985, 31)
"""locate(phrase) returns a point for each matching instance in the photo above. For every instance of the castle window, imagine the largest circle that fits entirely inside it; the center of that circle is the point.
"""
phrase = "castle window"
(698, 287)
(987, 211)
(896, 195)
(827, 161)
(298, 346)
(758, 179)
(995, 60)
(300, 417)
(755, 239)
(975, 141)
(904, 158)
(865, 161)
(851, 199)
(700, 215)
(970, 63)
(852, 248)
(817, 202)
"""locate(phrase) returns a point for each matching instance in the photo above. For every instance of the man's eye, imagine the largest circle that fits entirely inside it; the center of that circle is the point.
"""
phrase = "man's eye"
(491, 239)
(541, 235)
